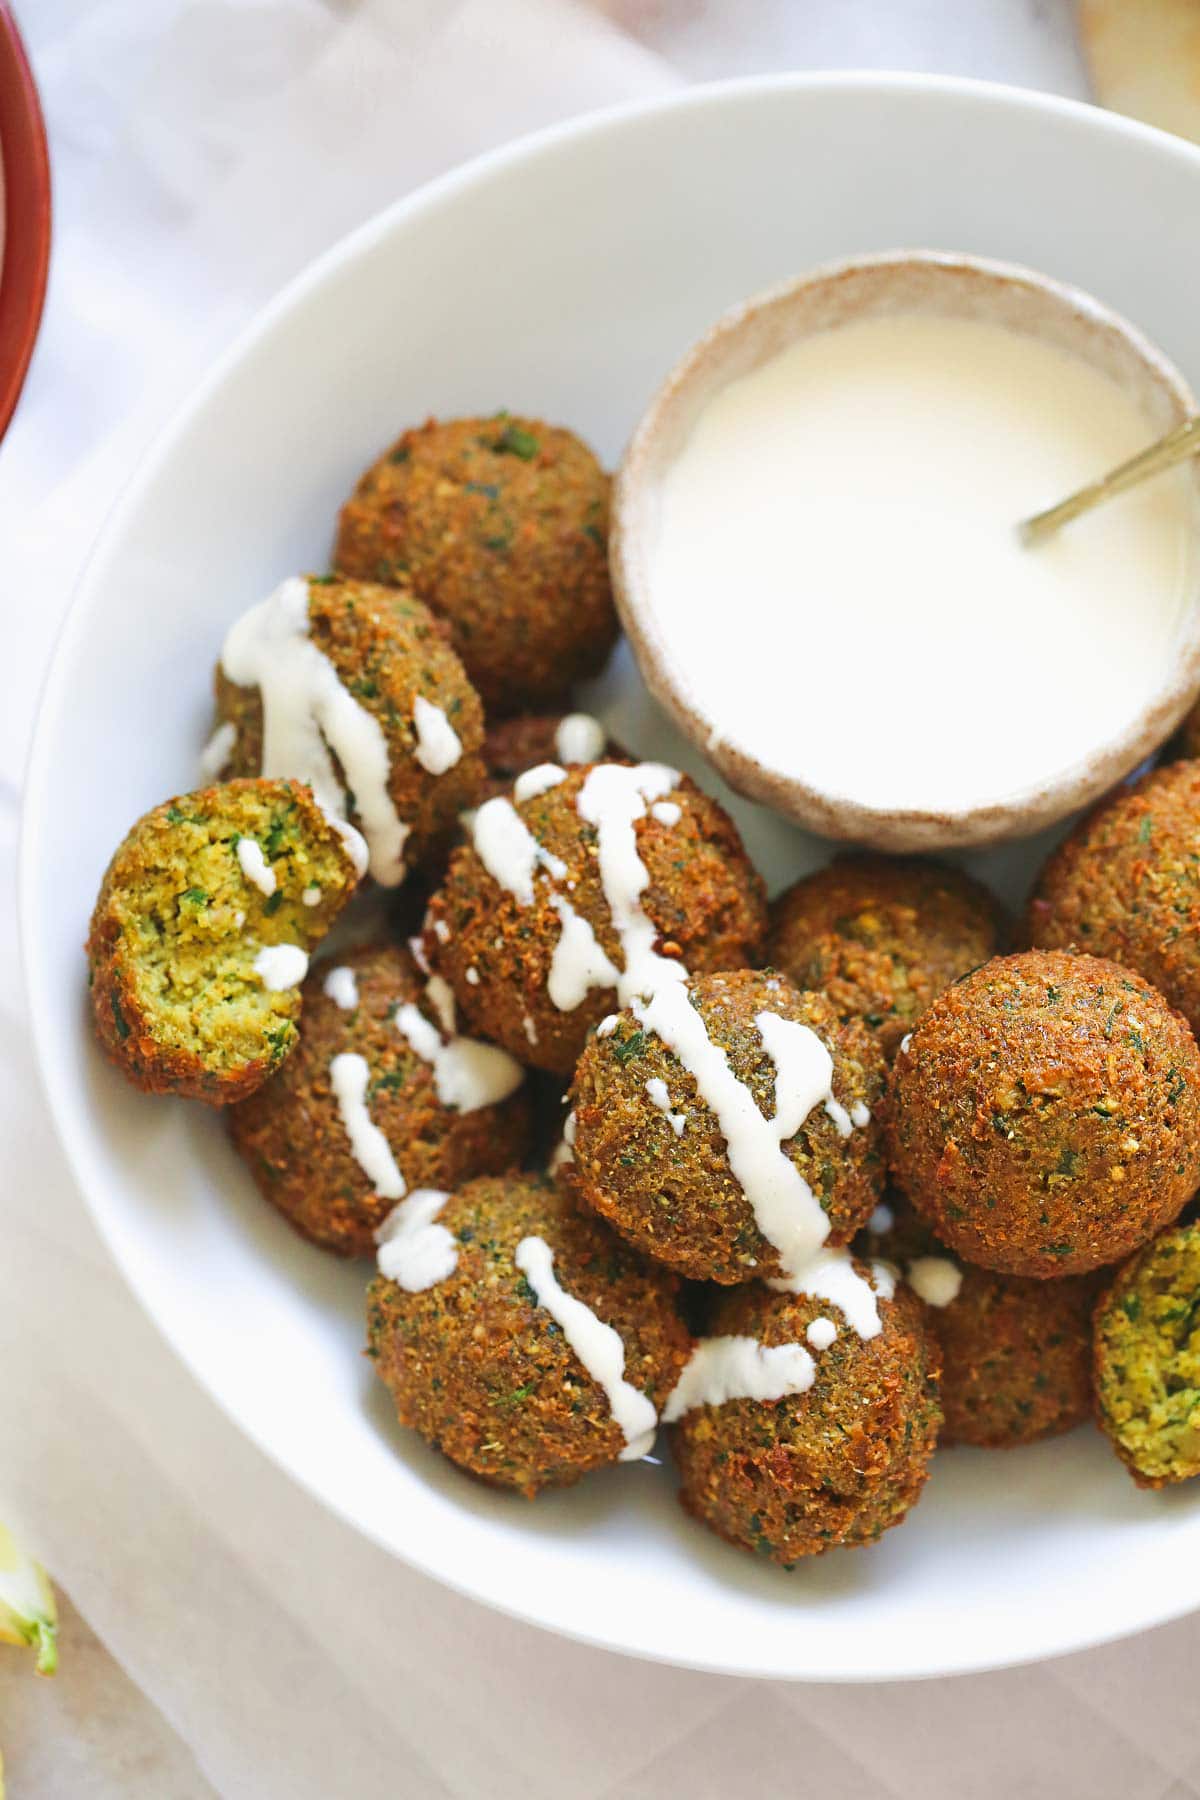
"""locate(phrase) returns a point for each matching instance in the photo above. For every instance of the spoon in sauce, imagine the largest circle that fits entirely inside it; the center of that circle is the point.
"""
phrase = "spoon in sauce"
(1176, 447)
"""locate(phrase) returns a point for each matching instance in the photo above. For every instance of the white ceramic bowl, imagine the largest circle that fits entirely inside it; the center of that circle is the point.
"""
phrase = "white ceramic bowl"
(940, 285)
(563, 276)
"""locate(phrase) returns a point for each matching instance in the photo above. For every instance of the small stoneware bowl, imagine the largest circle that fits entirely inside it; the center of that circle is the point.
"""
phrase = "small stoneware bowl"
(751, 334)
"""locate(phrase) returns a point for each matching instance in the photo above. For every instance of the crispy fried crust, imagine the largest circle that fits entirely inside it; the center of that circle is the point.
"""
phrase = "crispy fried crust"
(1126, 884)
(291, 1136)
(1016, 1353)
(883, 936)
(387, 649)
(482, 1371)
(501, 526)
(177, 926)
(674, 1195)
(839, 1464)
(704, 898)
(1046, 1116)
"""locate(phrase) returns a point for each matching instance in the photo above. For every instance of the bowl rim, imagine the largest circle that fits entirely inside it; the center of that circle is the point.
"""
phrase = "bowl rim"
(695, 376)
(38, 972)
(27, 214)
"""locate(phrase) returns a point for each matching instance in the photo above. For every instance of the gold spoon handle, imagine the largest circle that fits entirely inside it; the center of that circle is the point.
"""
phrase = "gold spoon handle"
(1176, 447)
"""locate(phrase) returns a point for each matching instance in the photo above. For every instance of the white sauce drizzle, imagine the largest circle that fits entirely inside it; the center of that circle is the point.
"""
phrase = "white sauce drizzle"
(739, 1368)
(280, 966)
(538, 780)
(416, 948)
(883, 1276)
(217, 751)
(579, 963)
(341, 987)
(821, 1333)
(608, 1025)
(350, 1078)
(441, 931)
(935, 1279)
(613, 798)
(311, 895)
(254, 865)
(831, 1275)
(472, 976)
(414, 1250)
(306, 714)
(467, 1075)
(508, 849)
(579, 739)
(905, 1041)
(561, 1155)
(785, 1208)
(564, 1151)
(440, 995)
(666, 812)
(531, 1030)
(597, 1345)
(438, 745)
(881, 1220)
(656, 1092)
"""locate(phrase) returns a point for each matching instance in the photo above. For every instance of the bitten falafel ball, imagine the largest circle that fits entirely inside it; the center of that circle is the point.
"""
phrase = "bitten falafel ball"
(395, 664)
(448, 1107)
(511, 747)
(883, 936)
(1045, 1117)
(1016, 1353)
(1126, 884)
(501, 526)
(836, 1463)
(1147, 1365)
(201, 931)
(653, 1156)
(483, 1362)
(532, 926)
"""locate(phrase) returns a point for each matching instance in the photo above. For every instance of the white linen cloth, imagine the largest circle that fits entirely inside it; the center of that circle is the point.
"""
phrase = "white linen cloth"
(239, 1640)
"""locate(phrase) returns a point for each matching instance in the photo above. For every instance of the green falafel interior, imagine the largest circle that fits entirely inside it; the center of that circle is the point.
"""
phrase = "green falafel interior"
(201, 935)
(1148, 1360)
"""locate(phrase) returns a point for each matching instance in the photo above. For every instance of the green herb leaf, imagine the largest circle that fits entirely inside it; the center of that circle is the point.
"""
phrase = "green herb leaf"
(514, 440)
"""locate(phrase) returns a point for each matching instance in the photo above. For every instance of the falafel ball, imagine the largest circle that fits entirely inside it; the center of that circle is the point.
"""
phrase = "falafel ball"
(651, 1155)
(513, 746)
(883, 936)
(836, 1464)
(464, 1113)
(201, 931)
(501, 526)
(1126, 884)
(479, 1364)
(1016, 1353)
(1045, 1117)
(532, 955)
(1147, 1348)
(393, 657)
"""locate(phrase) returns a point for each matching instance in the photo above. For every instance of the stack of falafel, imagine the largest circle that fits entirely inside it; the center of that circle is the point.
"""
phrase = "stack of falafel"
(1028, 1126)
